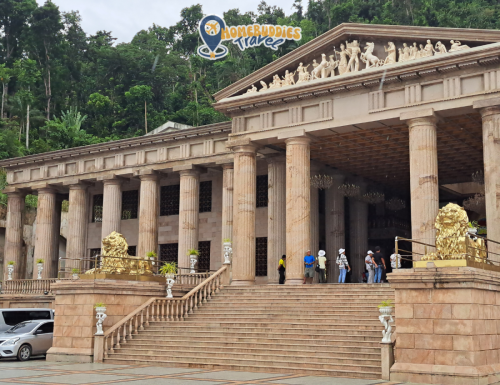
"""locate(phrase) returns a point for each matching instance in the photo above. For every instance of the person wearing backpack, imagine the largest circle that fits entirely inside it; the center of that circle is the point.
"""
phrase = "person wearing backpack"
(342, 262)
(321, 268)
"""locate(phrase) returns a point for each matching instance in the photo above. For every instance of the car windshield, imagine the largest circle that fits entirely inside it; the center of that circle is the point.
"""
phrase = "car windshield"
(22, 327)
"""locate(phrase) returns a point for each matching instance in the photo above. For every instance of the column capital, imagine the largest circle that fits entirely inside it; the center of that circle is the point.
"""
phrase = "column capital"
(248, 149)
(152, 177)
(79, 186)
(15, 194)
(47, 190)
(486, 104)
(489, 111)
(228, 166)
(305, 140)
(420, 117)
(237, 144)
(112, 181)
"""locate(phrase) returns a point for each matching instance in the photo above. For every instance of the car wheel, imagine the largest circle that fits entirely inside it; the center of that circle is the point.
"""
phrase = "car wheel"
(24, 353)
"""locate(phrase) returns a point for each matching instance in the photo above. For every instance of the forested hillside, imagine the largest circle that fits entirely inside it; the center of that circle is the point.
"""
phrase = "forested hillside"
(62, 88)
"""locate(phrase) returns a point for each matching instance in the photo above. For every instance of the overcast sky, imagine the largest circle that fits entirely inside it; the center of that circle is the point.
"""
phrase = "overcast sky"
(126, 17)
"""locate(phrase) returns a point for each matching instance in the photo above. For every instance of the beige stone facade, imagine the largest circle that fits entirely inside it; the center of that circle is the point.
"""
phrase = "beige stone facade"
(407, 129)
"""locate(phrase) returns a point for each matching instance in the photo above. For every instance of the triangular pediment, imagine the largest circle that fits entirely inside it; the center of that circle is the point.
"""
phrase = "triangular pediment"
(380, 35)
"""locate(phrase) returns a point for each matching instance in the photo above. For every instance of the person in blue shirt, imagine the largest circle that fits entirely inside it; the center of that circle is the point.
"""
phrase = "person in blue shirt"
(309, 261)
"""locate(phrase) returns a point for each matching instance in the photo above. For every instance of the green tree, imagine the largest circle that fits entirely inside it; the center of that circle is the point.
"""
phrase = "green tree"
(5, 75)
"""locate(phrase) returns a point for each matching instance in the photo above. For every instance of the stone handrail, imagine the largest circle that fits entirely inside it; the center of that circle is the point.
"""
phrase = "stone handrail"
(158, 309)
(191, 278)
(27, 286)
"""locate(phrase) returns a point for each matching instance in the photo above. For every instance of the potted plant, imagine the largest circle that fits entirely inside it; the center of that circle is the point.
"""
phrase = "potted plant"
(228, 250)
(386, 307)
(152, 256)
(39, 265)
(10, 269)
(193, 257)
(473, 228)
(75, 273)
(169, 270)
(100, 309)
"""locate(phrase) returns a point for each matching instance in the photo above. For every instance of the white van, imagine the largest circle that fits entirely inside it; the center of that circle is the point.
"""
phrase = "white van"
(11, 317)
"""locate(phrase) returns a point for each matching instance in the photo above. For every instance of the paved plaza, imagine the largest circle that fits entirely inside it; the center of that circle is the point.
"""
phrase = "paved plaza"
(40, 372)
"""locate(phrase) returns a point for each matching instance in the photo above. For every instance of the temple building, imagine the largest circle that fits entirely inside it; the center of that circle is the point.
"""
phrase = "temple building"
(410, 127)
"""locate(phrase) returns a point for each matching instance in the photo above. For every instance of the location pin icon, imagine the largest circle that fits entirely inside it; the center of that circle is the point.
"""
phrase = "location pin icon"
(211, 32)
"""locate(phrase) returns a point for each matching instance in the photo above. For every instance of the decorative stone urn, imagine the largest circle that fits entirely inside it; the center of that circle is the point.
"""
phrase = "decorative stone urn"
(75, 276)
(40, 269)
(100, 316)
(10, 271)
(472, 231)
(386, 319)
(194, 259)
(228, 251)
(170, 284)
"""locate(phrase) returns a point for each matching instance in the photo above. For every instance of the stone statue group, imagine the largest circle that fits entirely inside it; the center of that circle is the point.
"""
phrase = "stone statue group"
(349, 58)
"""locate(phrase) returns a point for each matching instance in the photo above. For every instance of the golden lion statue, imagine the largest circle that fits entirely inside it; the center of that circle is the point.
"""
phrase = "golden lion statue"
(115, 258)
(453, 240)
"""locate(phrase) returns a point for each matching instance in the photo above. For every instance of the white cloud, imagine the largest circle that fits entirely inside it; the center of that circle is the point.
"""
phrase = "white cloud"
(126, 17)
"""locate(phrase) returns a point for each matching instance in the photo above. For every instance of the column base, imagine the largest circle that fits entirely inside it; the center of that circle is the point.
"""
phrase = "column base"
(241, 282)
(294, 281)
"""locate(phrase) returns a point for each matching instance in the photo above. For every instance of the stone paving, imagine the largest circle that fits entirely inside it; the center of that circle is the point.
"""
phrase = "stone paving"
(40, 372)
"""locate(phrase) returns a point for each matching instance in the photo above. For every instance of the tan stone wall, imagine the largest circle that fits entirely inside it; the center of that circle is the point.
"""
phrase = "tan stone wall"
(27, 301)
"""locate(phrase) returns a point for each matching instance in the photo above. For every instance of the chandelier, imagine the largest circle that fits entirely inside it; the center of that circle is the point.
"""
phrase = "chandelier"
(395, 204)
(349, 190)
(373, 198)
(321, 182)
(475, 203)
(478, 177)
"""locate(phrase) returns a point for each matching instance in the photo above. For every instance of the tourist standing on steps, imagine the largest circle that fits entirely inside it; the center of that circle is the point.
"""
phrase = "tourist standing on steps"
(309, 261)
(342, 262)
(322, 266)
(370, 267)
(395, 257)
(282, 269)
(379, 262)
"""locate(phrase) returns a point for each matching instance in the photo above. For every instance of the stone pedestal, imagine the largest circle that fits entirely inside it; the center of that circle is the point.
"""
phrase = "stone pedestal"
(276, 216)
(112, 207)
(77, 226)
(298, 207)
(148, 215)
(424, 186)
(188, 214)
(74, 324)
(13, 249)
(227, 203)
(447, 325)
(245, 179)
(334, 225)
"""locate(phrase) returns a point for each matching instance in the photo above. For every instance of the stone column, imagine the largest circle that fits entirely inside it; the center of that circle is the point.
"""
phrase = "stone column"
(77, 226)
(245, 180)
(358, 235)
(334, 225)
(13, 249)
(424, 186)
(148, 214)
(188, 214)
(227, 203)
(314, 218)
(491, 154)
(47, 232)
(112, 207)
(298, 207)
(276, 216)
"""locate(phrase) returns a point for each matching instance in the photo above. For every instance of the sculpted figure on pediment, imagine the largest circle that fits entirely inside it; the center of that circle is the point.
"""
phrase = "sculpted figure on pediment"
(391, 54)
(353, 51)
(276, 83)
(413, 51)
(457, 46)
(429, 49)
(440, 48)
(303, 73)
(320, 70)
(343, 60)
(331, 67)
(401, 56)
(406, 52)
(288, 79)
(421, 52)
(252, 90)
(368, 57)
(264, 86)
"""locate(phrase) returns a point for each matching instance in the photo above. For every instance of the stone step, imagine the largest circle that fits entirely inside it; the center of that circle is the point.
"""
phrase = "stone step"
(209, 325)
(348, 372)
(345, 347)
(344, 300)
(362, 311)
(282, 318)
(255, 354)
(331, 286)
(287, 363)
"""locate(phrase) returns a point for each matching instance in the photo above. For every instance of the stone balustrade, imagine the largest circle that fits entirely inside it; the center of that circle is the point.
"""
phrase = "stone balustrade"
(28, 286)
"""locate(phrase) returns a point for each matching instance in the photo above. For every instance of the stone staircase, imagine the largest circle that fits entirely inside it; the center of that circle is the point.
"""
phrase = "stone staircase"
(328, 330)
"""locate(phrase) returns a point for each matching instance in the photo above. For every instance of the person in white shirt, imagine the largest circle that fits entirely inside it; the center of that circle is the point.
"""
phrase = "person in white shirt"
(369, 266)
(395, 257)
(342, 262)
(322, 266)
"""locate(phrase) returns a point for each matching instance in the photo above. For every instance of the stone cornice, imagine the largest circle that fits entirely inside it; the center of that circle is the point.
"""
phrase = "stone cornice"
(224, 127)
(482, 55)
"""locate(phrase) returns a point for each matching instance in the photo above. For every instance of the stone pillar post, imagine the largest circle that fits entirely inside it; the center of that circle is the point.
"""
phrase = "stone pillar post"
(112, 207)
(47, 232)
(424, 186)
(491, 154)
(188, 214)
(13, 249)
(314, 218)
(148, 214)
(77, 226)
(358, 235)
(245, 198)
(227, 203)
(276, 216)
(334, 225)
(298, 207)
